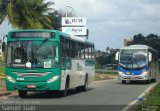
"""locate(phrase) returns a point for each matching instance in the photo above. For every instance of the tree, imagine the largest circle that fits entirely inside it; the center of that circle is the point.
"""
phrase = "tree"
(151, 40)
(138, 37)
(56, 19)
(107, 49)
(56, 16)
(27, 14)
(152, 37)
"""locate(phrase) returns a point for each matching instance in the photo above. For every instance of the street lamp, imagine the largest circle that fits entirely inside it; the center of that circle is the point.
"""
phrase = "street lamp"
(67, 10)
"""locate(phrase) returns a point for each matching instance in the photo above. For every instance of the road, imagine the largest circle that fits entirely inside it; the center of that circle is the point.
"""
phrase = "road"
(100, 96)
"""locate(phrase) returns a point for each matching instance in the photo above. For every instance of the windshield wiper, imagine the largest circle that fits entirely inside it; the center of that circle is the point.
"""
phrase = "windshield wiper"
(44, 41)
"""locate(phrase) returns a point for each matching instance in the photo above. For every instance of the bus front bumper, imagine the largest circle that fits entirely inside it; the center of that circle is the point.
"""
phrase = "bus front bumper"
(32, 86)
(133, 77)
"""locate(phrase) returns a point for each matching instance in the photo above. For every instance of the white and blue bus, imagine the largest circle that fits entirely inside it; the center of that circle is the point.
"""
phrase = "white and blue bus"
(137, 63)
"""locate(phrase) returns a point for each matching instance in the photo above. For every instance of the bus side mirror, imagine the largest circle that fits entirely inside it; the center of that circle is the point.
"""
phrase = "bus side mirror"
(117, 56)
(150, 56)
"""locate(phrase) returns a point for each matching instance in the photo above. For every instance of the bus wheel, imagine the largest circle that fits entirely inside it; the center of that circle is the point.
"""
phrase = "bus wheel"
(22, 94)
(153, 80)
(147, 81)
(85, 86)
(123, 81)
(65, 91)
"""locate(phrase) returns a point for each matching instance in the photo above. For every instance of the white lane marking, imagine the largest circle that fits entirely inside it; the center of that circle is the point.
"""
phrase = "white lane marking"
(141, 96)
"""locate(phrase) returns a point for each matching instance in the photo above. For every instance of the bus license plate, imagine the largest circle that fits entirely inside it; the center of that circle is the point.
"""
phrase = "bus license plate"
(132, 77)
(31, 86)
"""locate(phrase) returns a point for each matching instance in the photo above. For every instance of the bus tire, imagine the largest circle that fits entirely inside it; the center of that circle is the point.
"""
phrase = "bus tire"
(22, 93)
(123, 81)
(154, 80)
(64, 92)
(84, 87)
(147, 81)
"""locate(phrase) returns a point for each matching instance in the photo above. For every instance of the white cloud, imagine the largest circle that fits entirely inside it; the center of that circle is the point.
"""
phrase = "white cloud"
(4, 29)
(110, 21)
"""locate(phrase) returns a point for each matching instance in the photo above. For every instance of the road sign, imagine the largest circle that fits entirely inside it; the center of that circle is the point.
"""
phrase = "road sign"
(74, 21)
(75, 30)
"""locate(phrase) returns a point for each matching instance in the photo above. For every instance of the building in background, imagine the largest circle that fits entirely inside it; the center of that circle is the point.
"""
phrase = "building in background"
(128, 41)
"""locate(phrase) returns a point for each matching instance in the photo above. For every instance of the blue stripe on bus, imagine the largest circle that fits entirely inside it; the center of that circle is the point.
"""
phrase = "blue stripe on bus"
(133, 72)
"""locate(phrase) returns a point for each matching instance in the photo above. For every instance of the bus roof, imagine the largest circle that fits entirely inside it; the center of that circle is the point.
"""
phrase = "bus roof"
(138, 46)
(76, 38)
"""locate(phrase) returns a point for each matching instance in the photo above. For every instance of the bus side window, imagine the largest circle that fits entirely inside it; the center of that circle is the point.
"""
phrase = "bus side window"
(63, 47)
(93, 53)
(82, 52)
(90, 52)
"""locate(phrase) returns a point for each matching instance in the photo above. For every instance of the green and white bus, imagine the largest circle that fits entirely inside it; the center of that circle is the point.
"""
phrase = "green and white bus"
(48, 60)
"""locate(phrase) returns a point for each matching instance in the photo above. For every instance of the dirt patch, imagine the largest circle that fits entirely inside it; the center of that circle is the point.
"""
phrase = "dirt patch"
(3, 90)
(105, 76)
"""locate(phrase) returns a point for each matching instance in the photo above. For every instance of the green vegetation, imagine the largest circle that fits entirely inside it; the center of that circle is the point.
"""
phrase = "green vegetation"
(98, 65)
(31, 14)
(151, 40)
(105, 59)
(152, 99)
(106, 72)
(26, 14)
(2, 70)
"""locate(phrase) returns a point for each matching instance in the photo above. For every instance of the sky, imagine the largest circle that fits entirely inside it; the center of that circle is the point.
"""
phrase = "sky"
(111, 21)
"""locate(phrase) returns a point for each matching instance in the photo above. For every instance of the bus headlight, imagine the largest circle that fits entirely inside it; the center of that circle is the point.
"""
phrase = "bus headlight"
(53, 79)
(9, 78)
(144, 73)
(120, 73)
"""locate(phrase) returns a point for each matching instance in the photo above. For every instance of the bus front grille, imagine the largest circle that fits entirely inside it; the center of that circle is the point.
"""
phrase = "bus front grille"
(32, 74)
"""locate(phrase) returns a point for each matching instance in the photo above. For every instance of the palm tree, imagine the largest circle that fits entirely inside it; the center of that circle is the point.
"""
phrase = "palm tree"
(27, 14)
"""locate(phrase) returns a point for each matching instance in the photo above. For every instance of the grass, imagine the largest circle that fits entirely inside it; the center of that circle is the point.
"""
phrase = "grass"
(152, 100)
(2, 72)
(2, 69)
(106, 72)
(154, 97)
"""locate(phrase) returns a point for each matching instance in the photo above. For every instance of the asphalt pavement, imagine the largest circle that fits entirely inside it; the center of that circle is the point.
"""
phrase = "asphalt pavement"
(101, 95)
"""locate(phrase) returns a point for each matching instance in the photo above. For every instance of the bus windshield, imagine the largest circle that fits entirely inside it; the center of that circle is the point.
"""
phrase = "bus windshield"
(133, 59)
(32, 54)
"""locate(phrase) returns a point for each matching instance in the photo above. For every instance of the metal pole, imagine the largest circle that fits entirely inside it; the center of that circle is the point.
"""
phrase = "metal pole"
(67, 10)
